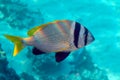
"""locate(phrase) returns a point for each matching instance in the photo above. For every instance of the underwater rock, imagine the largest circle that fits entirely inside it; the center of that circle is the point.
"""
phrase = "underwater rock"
(3, 64)
(5, 72)
(11, 74)
(25, 76)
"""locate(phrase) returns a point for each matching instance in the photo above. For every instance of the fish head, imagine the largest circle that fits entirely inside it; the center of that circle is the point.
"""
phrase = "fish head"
(88, 37)
(85, 37)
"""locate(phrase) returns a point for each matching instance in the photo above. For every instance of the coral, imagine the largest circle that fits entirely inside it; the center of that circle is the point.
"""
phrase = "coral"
(82, 67)
(87, 69)
(41, 63)
(18, 14)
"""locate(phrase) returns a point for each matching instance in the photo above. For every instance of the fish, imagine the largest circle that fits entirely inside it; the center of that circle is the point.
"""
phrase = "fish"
(60, 36)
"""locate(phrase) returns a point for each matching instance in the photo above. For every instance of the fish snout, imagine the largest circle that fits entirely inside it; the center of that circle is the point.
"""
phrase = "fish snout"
(89, 38)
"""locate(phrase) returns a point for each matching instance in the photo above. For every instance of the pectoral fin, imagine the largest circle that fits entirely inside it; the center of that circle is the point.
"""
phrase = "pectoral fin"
(60, 56)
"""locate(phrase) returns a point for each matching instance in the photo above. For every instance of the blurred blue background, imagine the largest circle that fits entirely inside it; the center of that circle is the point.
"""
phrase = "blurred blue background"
(97, 61)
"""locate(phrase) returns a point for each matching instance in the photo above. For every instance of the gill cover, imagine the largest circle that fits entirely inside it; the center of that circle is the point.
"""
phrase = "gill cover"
(18, 45)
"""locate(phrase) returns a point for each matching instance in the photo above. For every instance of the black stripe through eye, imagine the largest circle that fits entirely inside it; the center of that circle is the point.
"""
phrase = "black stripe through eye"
(76, 33)
(86, 35)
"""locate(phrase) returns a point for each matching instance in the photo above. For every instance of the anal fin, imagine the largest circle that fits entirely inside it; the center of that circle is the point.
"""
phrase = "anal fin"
(60, 56)
(36, 51)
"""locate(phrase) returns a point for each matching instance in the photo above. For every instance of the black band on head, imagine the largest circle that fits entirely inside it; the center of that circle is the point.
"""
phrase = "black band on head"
(76, 33)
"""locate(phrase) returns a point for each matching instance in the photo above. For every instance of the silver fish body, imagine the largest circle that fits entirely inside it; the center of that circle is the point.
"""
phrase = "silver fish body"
(62, 35)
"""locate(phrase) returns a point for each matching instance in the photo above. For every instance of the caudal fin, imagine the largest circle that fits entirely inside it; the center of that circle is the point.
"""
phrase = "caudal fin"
(18, 45)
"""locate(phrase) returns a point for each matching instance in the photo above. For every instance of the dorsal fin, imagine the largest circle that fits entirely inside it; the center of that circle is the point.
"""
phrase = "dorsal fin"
(33, 30)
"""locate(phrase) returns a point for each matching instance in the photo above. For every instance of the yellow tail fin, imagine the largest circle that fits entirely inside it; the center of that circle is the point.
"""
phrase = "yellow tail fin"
(18, 45)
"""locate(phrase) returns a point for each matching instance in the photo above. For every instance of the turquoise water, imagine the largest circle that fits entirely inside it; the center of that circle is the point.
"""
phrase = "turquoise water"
(97, 61)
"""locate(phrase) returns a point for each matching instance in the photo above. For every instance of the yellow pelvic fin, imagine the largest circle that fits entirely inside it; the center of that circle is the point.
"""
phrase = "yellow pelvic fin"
(18, 45)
